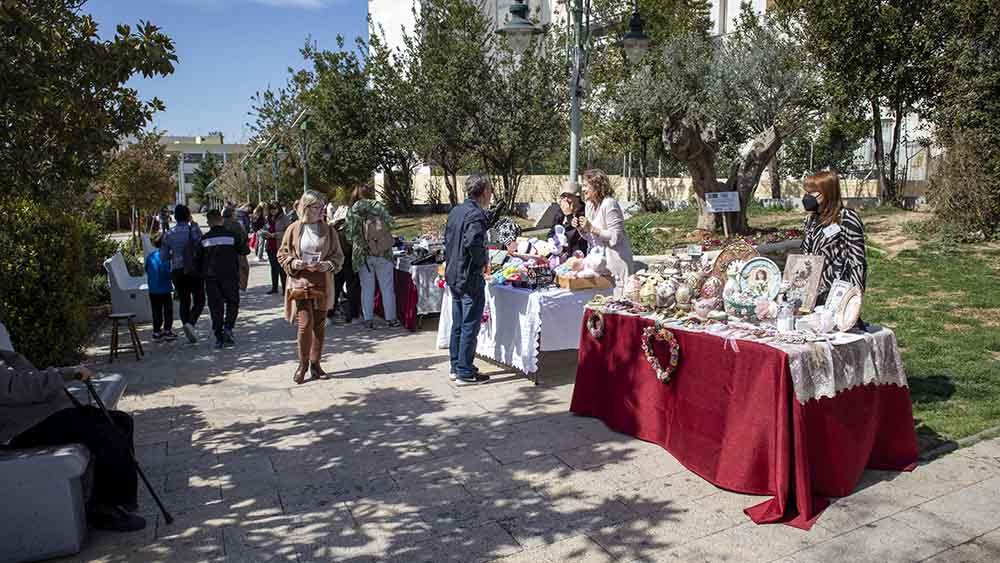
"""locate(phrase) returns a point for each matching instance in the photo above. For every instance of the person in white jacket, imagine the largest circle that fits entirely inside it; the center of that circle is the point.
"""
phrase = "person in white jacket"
(604, 224)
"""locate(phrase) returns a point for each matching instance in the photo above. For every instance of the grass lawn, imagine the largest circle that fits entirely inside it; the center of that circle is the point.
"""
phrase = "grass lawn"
(416, 224)
(943, 302)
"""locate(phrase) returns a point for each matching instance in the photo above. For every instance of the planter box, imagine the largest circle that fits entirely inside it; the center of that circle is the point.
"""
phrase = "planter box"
(577, 284)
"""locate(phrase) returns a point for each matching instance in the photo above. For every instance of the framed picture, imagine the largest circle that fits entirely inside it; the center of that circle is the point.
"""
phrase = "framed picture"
(837, 292)
(803, 273)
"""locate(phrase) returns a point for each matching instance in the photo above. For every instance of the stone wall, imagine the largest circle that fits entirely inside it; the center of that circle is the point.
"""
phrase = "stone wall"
(535, 189)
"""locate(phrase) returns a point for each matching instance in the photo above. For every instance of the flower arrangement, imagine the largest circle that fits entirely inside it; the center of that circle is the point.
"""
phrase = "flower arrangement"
(649, 336)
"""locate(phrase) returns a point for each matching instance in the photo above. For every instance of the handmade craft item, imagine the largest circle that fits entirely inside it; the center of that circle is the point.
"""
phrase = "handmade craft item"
(595, 325)
(803, 274)
(649, 336)
(849, 309)
(760, 277)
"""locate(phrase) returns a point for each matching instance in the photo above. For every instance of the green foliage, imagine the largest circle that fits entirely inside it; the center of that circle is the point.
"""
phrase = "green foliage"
(339, 101)
(833, 142)
(395, 121)
(43, 281)
(139, 176)
(65, 104)
(522, 114)
(876, 54)
(447, 54)
(208, 170)
(965, 189)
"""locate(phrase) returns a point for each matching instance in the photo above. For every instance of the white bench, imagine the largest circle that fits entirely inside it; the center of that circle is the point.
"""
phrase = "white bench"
(44, 490)
(129, 294)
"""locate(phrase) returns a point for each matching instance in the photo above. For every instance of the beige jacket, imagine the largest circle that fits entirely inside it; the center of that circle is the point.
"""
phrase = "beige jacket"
(608, 232)
(28, 395)
(291, 250)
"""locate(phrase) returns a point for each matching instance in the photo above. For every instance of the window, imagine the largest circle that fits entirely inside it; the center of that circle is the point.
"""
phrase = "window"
(189, 178)
(192, 157)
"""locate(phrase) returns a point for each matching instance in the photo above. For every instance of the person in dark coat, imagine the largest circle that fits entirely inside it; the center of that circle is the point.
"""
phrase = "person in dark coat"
(220, 268)
(466, 258)
(35, 411)
(570, 207)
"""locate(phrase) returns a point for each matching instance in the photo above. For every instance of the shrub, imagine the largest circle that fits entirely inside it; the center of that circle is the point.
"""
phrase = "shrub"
(43, 281)
(96, 246)
(965, 189)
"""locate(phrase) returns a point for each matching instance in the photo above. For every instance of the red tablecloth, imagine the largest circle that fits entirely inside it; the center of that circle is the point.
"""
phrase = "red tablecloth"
(406, 299)
(732, 418)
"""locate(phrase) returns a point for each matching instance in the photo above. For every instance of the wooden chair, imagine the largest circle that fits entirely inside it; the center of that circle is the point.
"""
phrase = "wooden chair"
(133, 335)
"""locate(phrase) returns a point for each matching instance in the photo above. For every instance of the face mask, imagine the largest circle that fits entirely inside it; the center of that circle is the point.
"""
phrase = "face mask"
(810, 203)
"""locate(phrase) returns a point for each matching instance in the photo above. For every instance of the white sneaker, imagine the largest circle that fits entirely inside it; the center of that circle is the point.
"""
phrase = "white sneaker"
(189, 333)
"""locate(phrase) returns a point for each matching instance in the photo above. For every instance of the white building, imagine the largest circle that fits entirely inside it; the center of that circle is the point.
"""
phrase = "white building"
(191, 151)
(396, 15)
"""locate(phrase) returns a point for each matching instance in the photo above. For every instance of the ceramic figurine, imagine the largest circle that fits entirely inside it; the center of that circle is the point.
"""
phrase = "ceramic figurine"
(703, 307)
(665, 294)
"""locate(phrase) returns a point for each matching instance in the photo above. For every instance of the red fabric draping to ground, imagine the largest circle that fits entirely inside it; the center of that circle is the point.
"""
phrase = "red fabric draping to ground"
(732, 418)
(406, 299)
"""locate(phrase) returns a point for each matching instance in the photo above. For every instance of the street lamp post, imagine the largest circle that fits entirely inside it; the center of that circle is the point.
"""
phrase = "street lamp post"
(305, 127)
(518, 31)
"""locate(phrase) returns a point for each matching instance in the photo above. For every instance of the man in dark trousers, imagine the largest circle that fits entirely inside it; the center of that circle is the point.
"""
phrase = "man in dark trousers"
(36, 411)
(178, 248)
(466, 256)
(220, 268)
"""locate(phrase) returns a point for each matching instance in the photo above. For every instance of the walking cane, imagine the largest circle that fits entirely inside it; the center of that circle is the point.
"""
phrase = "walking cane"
(104, 409)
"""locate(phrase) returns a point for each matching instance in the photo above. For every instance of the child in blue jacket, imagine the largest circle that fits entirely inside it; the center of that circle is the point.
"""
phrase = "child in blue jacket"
(160, 292)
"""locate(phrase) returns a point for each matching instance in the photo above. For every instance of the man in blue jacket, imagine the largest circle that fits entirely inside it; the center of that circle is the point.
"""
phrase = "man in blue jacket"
(466, 256)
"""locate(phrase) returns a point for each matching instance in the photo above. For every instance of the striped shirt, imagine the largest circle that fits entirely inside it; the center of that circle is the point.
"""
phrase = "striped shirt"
(843, 251)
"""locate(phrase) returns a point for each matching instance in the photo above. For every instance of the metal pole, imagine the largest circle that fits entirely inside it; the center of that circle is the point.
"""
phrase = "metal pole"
(274, 173)
(305, 160)
(575, 127)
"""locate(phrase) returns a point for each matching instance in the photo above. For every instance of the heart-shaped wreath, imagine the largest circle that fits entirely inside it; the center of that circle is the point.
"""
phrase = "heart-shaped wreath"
(595, 324)
(649, 336)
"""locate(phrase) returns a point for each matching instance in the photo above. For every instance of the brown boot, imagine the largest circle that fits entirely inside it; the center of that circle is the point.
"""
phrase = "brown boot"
(317, 371)
(300, 373)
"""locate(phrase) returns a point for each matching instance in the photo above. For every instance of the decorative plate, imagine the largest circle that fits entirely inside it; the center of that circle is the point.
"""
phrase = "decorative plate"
(731, 253)
(735, 251)
(849, 309)
(760, 277)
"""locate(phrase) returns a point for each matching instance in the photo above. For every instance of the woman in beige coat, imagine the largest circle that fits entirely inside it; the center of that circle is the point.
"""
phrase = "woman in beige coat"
(310, 254)
(604, 224)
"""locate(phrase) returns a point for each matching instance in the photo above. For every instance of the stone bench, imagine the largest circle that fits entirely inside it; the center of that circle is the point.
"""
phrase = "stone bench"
(44, 490)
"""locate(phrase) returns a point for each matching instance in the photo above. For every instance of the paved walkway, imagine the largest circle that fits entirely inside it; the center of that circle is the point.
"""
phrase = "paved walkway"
(391, 462)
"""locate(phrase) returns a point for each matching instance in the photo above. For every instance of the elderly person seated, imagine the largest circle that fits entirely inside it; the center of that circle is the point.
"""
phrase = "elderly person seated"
(571, 208)
(36, 410)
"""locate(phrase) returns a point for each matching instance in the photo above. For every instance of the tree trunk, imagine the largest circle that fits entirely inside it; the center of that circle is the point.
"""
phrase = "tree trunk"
(643, 192)
(773, 172)
(892, 196)
(696, 149)
(883, 186)
(450, 182)
(745, 173)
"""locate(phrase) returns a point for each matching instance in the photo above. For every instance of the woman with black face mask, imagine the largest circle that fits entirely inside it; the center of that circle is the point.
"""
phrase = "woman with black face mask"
(834, 232)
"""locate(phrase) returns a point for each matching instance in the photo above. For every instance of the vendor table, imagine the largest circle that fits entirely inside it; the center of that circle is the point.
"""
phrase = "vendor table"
(523, 322)
(799, 422)
(417, 292)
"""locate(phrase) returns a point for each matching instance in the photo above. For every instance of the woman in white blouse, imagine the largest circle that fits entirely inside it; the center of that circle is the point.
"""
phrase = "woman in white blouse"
(604, 224)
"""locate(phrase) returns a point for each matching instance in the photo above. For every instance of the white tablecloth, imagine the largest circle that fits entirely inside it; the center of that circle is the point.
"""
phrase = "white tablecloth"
(429, 295)
(523, 322)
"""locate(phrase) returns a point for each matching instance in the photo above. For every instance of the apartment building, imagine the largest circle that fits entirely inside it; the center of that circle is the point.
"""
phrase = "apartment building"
(191, 151)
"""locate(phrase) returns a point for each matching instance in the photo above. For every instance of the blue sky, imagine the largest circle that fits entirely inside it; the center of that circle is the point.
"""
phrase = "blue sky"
(227, 50)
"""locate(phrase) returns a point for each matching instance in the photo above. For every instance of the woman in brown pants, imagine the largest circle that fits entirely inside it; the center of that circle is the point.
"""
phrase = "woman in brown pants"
(310, 254)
